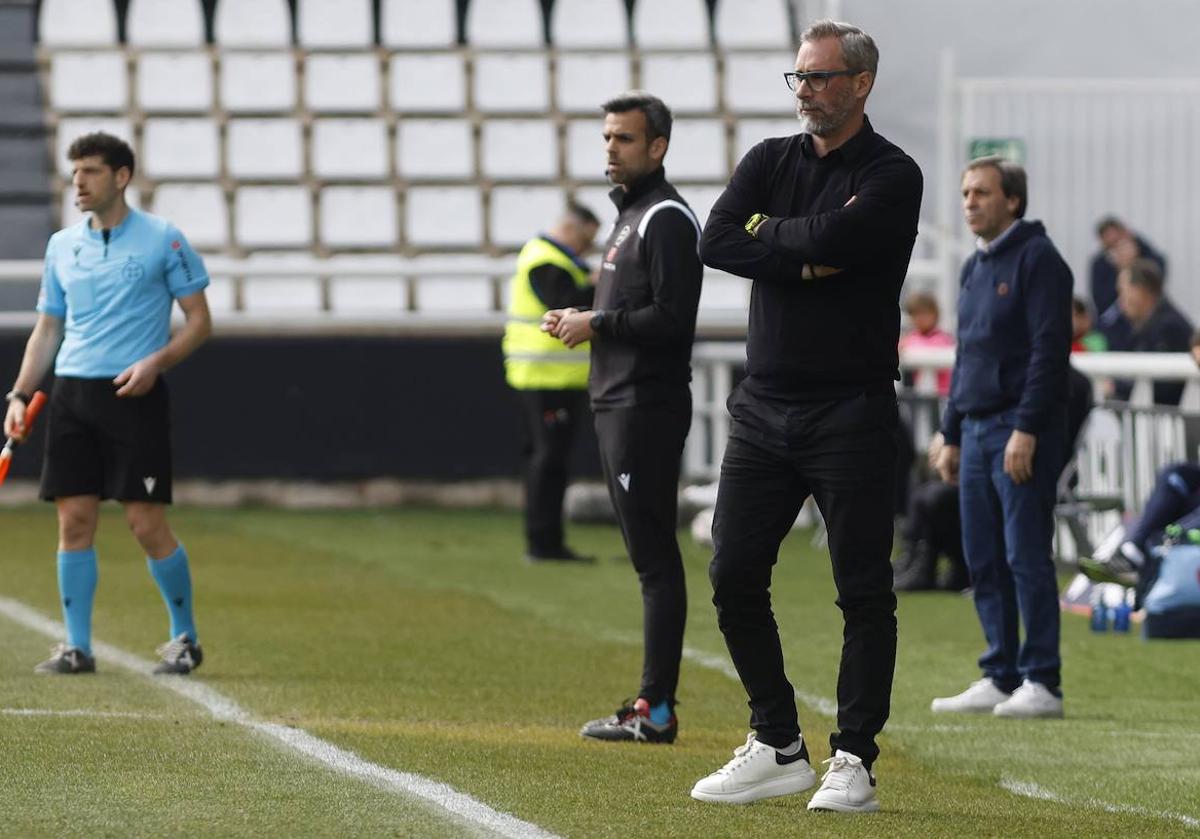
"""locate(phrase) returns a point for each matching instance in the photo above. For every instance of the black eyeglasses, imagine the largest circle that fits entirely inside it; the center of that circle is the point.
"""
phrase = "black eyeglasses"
(817, 80)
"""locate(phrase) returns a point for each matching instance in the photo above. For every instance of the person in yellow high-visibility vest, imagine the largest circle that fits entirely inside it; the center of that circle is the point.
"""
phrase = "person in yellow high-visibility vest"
(550, 379)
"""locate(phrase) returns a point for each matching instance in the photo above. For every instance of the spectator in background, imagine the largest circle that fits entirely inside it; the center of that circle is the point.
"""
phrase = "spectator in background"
(1083, 337)
(1119, 247)
(1156, 325)
(550, 378)
(922, 309)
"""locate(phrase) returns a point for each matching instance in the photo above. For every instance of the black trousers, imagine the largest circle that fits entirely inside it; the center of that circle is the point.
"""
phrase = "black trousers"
(842, 452)
(551, 417)
(640, 451)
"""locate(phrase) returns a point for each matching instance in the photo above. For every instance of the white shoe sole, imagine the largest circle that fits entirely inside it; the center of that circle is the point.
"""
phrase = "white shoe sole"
(773, 788)
(1055, 714)
(973, 709)
(818, 805)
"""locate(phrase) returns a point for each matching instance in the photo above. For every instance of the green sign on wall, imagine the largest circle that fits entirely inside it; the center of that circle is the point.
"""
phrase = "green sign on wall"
(1010, 148)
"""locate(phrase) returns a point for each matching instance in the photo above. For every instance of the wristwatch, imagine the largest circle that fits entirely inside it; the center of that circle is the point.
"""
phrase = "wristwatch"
(17, 395)
(754, 223)
(597, 321)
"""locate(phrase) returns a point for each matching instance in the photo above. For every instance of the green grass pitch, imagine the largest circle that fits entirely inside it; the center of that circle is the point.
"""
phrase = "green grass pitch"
(419, 640)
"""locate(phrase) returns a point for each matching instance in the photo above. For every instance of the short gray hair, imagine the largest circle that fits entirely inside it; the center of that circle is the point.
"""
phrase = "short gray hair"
(1013, 181)
(658, 115)
(858, 48)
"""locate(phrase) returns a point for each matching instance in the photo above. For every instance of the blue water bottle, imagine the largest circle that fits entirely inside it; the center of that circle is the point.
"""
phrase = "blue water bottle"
(1099, 619)
(1120, 618)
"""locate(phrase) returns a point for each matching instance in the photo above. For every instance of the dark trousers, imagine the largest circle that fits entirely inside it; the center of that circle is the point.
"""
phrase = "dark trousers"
(551, 417)
(843, 453)
(640, 451)
(1008, 530)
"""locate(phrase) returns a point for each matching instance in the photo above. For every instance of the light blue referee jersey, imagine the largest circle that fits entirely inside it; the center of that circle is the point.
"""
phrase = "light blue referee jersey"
(115, 296)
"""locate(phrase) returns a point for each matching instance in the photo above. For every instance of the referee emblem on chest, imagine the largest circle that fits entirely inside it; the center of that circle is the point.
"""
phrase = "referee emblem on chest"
(132, 270)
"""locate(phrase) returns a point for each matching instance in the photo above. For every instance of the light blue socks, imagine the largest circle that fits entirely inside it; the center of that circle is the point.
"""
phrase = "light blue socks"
(175, 584)
(77, 576)
(660, 714)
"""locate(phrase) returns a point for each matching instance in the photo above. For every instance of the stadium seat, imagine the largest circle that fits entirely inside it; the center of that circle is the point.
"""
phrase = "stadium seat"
(518, 212)
(434, 148)
(175, 82)
(165, 23)
(273, 216)
(701, 197)
(519, 148)
(264, 149)
(220, 294)
(686, 82)
(508, 82)
(253, 23)
(585, 149)
(430, 83)
(749, 132)
(589, 23)
(95, 82)
(358, 216)
(350, 148)
(505, 23)
(281, 295)
(444, 216)
(454, 295)
(324, 24)
(70, 128)
(724, 294)
(759, 24)
(342, 83)
(418, 23)
(77, 23)
(70, 213)
(258, 82)
(584, 80)
(754, 83)
(199, 210)
(697, 150)
(596, 199)
(367, 295)
(180, 148)
(671, 23)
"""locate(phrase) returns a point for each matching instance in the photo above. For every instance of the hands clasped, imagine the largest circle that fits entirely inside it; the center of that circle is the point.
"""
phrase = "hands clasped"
(570, 326)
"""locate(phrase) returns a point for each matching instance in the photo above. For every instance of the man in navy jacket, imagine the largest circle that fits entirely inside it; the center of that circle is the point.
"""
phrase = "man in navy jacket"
(1005, 431)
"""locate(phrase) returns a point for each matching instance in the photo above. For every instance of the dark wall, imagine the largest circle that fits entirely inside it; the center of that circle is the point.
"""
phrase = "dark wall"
(338, 408)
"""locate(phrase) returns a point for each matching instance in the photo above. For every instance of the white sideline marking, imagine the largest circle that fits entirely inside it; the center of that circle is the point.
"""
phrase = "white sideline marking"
(223, 708)
(1028, 789)
(79, 712)
(722, 664)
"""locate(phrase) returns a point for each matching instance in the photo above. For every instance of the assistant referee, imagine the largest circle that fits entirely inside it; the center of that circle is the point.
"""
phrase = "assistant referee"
(104, 311)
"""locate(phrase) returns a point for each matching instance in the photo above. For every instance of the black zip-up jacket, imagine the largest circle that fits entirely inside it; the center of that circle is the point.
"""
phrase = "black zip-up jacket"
(646, 299)
(809, 338)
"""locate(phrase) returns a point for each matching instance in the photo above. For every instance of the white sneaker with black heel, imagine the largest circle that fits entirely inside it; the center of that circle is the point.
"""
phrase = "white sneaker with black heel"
(848, 786)
(757, 771)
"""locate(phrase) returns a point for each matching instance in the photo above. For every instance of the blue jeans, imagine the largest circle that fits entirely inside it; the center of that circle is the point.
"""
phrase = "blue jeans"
(1008, 529)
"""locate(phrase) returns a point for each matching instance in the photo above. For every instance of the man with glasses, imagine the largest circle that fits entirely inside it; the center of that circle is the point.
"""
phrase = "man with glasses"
(824, 223)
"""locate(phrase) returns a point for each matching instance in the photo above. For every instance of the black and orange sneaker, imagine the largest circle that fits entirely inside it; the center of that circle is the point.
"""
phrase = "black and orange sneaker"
(632, 723)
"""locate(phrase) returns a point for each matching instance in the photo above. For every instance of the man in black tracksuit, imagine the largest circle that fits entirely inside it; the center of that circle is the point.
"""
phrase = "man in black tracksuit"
(641, 332)
(824, 223)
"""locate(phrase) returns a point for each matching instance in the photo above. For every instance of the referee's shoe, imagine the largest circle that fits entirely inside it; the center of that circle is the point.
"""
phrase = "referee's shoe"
(66, 661)
(179, 656)
(632, 723)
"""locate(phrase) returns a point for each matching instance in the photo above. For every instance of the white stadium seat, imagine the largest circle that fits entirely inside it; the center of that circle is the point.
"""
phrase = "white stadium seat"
(367, 295)
(434, 148)
(77, 23)
(180, 148)
(220, 294)
(589, 23)
(444, 216)
(697, 150)
(69, 128)
(750, 132)
(71, 214)
(264, 149)
(585, 80)
(175, 81)
(761, 24)
(596, 199)
(432, 83)
(686, 82)
(519, 148)
(701, 197)
(754, 83)
(418, 23)
(585, 149)
(253, 23)
(350, 148)
(671, 23)
(518, 212)
(258, 82)
(724, 294)
(505, 23)
(453, 295)
(199, 210)
(165, 23)
(273, 216)
(96, 82)
(358, 217)
(324, 24)
(342, 83)
(508, 82)
(282, 295)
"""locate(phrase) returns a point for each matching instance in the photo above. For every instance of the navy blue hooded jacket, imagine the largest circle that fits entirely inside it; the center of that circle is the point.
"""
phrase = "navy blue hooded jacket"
(1014, 333)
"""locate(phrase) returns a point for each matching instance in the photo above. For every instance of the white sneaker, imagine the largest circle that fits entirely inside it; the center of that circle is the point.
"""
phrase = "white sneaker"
(847, 786)
(757, 771)
(980, 698)
(1031, 699)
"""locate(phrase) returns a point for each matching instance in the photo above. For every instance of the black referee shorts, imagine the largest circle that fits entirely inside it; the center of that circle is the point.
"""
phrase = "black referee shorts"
(99, 444)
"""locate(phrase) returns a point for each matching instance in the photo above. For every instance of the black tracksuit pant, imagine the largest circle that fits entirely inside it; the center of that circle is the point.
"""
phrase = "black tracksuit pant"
(640, 451)
(842, 451)
(551, 417)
